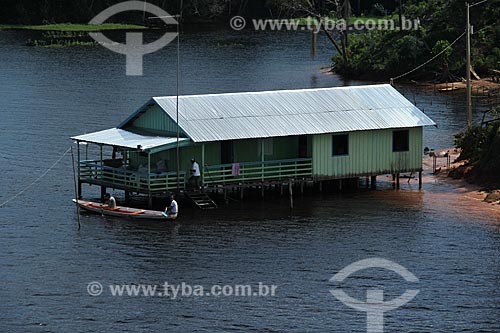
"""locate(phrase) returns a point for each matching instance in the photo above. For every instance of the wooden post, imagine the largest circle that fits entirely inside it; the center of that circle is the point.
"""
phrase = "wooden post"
(262, 190)
(202, 165)
(74, 182)
(149, 172)
(78, 171)
(420, 180)
(241, 193)
(374, 182)
(262, 158)
(397, 180)
(340, 184)
(103, 193)
(367, 182)
(79, 189)
(320, 186)
(314, 38)
(290, 192)
(301, 188)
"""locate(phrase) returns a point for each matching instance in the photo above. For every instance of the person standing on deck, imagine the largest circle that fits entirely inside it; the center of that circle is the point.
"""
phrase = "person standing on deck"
(109, 201)
(172, 210)
(195, 174)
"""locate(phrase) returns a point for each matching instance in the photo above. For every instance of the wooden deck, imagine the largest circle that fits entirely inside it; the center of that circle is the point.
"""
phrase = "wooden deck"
(213, 176)
(92, 172)
(257, 172)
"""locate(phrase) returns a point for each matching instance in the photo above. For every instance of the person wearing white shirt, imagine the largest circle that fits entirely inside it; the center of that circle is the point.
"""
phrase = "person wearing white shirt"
(172, 210)
(195, 174)
(109, 201)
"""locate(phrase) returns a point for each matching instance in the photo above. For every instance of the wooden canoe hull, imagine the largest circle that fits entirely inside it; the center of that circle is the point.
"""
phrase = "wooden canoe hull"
(127, 212)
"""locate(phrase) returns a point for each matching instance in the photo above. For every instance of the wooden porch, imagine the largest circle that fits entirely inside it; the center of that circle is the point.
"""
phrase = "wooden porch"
(213, 176)
(262, 172)
(94, 172)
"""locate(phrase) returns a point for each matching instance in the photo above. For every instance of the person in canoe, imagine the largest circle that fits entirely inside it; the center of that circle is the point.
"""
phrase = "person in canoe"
(110, 201)
(172, 210)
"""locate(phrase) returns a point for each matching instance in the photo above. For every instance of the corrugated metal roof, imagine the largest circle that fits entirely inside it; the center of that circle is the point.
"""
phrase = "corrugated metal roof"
(292, 112)
(121, 138)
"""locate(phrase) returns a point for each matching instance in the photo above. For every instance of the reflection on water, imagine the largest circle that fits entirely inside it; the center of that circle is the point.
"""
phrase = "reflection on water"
(449, 242)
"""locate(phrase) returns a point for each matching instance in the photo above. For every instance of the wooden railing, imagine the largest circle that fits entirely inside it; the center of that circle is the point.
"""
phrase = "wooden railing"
(255, 172)
(120, 178)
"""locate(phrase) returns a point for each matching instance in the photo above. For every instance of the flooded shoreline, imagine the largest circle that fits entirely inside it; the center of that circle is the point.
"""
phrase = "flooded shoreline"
(449, 241)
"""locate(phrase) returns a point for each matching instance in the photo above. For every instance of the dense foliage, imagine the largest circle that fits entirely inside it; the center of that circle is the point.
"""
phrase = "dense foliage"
(377, 54)
(481, 147)
(80, 11)
(386, 54)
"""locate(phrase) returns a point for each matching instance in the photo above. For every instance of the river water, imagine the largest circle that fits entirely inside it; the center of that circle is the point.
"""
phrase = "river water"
(450, 242)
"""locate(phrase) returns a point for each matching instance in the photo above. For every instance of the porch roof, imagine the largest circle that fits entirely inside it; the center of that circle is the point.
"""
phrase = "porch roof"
(125, 139)
(291, 112)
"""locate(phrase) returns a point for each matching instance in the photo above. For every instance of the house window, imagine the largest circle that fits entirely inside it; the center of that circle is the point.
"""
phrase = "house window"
(400, 140)
(340, 145)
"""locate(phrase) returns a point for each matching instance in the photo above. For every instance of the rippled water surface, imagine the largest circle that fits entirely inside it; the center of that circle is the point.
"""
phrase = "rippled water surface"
(450, 242)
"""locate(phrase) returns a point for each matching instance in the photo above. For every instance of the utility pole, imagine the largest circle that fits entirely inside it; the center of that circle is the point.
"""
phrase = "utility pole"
(468, 85)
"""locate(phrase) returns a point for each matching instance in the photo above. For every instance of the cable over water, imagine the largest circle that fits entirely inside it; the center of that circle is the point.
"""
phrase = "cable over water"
(36, 180)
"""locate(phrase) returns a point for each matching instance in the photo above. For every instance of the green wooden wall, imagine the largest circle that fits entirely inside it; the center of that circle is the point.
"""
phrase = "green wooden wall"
(154, 120)
(279, 148)
(370, 153)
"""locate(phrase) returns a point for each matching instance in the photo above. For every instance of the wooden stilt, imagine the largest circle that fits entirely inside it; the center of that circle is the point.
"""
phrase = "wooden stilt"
(103, 193)
(301, 188)
(397, 181)
(367, 182)
(241, 193)
(281, 189)
(290, 192)
(320, 186)
(150, 201)
(374, 182)
(340, 184)
(420, 180)
(79, 189)
(262, 191)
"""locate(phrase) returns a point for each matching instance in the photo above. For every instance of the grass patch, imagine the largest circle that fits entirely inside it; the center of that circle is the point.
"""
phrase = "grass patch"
(60, 39)
(72, 27)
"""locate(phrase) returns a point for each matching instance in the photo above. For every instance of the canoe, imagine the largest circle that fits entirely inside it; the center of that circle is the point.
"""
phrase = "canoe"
(119, 211)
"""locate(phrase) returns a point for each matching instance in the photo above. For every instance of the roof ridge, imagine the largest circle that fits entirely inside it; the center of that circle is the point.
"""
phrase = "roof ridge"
(300, 113)
(262, 92)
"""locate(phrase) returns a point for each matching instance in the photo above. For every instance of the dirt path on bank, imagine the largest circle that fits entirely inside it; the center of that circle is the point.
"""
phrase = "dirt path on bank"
(440, 178)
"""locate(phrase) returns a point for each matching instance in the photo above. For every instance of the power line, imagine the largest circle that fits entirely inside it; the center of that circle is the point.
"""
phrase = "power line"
(428, 61)
(477, 3)
(36, 180)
